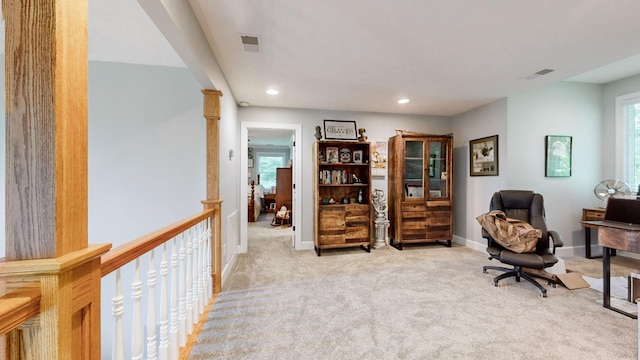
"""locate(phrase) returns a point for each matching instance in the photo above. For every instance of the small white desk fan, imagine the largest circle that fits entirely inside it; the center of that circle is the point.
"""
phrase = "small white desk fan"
(606, 189)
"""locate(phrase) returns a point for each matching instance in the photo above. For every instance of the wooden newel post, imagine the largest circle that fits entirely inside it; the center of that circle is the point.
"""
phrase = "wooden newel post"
(211, 112)
(46, 179)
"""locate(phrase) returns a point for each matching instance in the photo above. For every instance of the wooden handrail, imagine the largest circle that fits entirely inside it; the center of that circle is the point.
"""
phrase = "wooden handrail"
(123, 254)
(18, 307)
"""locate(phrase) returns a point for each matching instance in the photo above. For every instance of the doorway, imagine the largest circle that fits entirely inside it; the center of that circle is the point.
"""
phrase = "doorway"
(262, 130)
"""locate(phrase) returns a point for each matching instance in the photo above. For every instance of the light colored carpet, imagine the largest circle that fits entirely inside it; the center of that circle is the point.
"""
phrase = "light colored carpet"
(425, 302)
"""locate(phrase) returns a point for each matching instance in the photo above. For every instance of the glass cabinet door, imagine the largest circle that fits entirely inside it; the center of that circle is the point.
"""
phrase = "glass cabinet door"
(438, 169)
(414, 169)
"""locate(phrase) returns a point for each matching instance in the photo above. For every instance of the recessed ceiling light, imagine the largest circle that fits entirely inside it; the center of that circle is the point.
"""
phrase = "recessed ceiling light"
(403, 101)
(243, 103)
(272, 92)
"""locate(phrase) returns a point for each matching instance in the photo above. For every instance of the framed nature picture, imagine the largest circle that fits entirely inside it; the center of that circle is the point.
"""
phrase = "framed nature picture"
(483, 155)
(340, 130)
(558, 156)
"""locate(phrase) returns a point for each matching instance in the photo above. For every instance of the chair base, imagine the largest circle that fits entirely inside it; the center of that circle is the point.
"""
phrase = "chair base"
(280, 221)
(518, 273)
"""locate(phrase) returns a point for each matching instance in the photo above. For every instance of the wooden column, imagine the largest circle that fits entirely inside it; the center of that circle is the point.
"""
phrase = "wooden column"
(46, 179)
(211, 112)
(46, 93)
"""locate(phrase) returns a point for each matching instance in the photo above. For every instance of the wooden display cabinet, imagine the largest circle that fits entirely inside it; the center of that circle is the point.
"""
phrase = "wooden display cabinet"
(342, 195)
(419, 189)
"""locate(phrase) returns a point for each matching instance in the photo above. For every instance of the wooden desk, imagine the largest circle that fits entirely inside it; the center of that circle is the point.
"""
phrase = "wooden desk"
(613, 238)
(590, 214)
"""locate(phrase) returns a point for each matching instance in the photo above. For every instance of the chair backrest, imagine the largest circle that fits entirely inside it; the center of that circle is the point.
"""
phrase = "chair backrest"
(523, 205)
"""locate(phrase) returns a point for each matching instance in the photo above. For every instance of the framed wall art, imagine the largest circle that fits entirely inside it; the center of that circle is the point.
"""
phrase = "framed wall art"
(340, 130)
(483, 155)
(557, 156)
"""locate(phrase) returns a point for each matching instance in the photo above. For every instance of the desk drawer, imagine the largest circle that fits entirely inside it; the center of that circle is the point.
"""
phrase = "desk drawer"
(592, 214)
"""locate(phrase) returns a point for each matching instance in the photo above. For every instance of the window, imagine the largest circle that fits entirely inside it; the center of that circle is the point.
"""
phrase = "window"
(267, 165)
(628, 120)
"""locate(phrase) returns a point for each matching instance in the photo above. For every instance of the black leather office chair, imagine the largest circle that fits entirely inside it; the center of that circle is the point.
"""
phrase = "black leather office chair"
(527, 206)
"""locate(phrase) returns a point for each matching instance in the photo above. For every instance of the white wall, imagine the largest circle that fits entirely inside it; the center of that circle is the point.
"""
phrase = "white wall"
(522, 123)
(565, 108)
(472, 194)
(379, 128)
(146, 139)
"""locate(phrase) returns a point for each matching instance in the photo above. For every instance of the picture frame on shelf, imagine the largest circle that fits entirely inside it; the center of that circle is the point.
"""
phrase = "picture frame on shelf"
(557, 156)
(483, 156)
(357, 156)
(340, 130)
(332, 154)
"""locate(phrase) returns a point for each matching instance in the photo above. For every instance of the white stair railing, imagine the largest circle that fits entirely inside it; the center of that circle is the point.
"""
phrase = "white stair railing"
(185, 283)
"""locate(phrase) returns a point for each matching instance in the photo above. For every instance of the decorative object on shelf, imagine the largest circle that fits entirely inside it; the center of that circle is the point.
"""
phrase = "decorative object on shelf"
(357, 156)
(606, 189)
(360, 197)
(340, 130)
(318, 133)
(250, 162)
(332, 154)
(483, 155)
(557, 156)
(362, 137)
(345, 155)
(381, 223)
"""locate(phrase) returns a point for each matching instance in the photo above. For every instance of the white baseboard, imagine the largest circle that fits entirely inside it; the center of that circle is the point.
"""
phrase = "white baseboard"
(232, 261)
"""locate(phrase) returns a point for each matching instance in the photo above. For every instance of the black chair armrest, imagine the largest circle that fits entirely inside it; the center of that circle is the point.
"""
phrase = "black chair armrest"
(557, 239)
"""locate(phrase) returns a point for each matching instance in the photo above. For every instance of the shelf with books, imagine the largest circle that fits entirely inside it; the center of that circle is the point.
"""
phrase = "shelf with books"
(342, 195)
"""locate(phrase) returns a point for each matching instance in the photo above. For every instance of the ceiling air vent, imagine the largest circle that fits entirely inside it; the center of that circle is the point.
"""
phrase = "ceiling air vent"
(539, 73)
(250, 43)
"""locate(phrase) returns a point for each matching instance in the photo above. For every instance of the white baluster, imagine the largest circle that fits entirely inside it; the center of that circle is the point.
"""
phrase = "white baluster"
(201, 286)
(174, 348)
(189, 297)
(163, 348)
(209, 260)
(196, 285)
(182, 303)
(151, 309)
(136, 286)
(117, 311)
